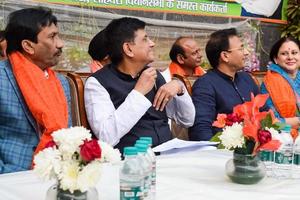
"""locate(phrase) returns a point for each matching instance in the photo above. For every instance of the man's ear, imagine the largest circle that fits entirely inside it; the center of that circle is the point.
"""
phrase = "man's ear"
(27, 46)
(180, 59)
(224, 56)
(127, 50)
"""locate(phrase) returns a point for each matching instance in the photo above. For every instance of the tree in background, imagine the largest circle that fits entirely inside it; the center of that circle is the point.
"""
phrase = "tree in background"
(292, 28)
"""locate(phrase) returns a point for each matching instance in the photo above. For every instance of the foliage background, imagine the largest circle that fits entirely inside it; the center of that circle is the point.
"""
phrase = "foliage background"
(78, 24)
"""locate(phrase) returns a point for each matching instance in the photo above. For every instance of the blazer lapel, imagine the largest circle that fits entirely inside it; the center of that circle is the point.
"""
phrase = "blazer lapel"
(15, 86)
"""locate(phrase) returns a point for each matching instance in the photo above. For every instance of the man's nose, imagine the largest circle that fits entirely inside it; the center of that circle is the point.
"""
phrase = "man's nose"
(60, 43)
(246, 51)
(152, 44)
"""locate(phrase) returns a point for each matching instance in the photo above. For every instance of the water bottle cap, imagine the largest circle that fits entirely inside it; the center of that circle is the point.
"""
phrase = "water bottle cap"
(130, 151)
(287, 128)
(149, 139)
(141, 147)
(144, 142)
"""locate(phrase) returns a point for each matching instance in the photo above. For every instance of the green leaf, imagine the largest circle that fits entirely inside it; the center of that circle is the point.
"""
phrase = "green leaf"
(220, 146)
(266, 122)
(216, 138)
(278, 126)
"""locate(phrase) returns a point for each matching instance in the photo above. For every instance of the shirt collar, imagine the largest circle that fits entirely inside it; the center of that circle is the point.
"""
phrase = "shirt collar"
(225, 76)
(122, 75)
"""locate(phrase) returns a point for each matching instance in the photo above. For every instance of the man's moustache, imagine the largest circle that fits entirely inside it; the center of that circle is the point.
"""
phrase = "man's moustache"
(58, 53)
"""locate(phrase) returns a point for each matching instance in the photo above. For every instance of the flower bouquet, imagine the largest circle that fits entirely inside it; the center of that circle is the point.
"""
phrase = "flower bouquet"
(74, 159)
(246, 131)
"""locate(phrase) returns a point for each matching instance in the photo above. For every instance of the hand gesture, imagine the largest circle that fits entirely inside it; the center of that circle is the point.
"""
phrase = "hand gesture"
(165, 93)
(146, 81)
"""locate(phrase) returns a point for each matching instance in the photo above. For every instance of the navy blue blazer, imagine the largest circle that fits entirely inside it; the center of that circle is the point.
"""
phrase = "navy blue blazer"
(214, 93)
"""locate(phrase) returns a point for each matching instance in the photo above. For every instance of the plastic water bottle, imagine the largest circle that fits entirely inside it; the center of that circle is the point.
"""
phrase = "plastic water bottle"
(296, 163)
(267, 156)
(145, 163)
(151, 154)
(131, 176)
(284, 155)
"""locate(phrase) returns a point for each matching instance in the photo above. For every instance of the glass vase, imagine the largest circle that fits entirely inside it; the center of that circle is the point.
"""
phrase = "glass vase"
(245, 169)
(56, 193)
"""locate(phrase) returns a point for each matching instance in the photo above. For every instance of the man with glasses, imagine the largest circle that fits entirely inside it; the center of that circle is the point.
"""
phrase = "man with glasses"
(223, 87)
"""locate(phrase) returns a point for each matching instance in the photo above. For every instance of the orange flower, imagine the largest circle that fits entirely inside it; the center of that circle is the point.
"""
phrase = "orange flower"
(251, 117)
(221, 121)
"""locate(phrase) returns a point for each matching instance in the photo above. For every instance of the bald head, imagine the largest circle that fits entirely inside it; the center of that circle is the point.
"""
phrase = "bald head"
(186, 52)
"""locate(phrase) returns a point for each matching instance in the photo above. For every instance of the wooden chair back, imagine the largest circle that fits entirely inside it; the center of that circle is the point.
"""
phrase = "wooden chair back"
(77, 86)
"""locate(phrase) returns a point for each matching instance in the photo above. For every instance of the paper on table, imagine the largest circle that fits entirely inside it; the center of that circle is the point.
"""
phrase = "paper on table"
(188, 149)
(180, 144)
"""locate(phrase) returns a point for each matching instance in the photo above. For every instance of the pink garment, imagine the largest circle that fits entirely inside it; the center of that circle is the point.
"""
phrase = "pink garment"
(95, 66)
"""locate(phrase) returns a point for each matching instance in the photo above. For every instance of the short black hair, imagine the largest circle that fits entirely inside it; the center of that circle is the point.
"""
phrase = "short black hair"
(275, 48)
(119, 31)
(177, 49)
(98, 48)
(218, 42)
(25, 24)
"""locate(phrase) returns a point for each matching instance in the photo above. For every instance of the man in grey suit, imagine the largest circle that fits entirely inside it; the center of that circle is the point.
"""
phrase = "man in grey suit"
(34, 100)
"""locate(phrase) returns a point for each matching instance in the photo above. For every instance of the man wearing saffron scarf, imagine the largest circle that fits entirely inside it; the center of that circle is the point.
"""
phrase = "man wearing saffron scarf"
(33, 98)
(186, 59)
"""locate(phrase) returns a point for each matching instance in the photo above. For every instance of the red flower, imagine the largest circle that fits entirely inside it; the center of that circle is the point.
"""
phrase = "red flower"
(233, 118)
(50, 144)
(264, 136)
(90, 150)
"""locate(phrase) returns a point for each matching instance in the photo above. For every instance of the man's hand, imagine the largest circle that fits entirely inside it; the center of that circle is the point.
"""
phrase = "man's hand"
(166, 93)
(146, 81)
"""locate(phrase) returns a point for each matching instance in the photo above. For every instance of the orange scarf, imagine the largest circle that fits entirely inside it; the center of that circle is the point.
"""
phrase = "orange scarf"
(176, 69)
(282, 96)
(44, 96)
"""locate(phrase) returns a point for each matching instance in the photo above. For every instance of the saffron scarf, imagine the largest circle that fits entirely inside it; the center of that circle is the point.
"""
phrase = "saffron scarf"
(283, 96)
(44, 96)
(176, 69)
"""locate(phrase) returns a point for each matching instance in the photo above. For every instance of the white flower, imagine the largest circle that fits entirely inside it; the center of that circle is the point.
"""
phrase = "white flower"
(109, 154)
(89, 176)
(70, 139)
(69, 174)
(64, 161)
(47, 163)
(232, 136)
(274, 133)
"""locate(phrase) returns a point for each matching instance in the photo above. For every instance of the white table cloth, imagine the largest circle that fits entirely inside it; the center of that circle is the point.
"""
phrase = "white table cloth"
(187, 176)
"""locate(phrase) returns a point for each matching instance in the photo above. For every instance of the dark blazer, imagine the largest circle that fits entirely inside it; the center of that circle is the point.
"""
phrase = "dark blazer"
(214, 93)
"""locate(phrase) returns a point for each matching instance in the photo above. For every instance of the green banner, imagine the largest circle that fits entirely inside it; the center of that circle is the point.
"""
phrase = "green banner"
(223, 8)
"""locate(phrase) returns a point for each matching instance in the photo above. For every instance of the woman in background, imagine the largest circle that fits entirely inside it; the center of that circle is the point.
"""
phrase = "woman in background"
(282, 82)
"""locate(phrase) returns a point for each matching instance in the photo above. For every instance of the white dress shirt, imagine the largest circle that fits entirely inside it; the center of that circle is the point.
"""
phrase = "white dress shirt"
(260, 7)
(110, 124)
